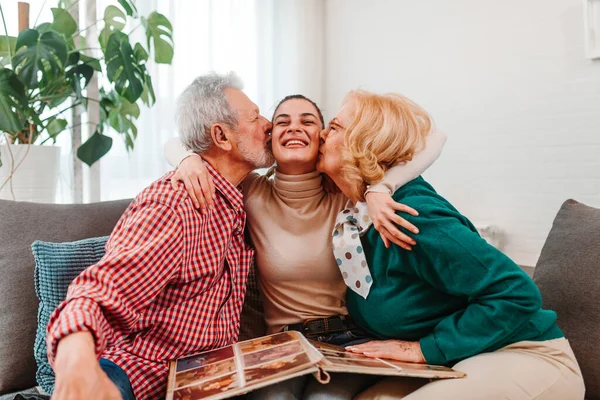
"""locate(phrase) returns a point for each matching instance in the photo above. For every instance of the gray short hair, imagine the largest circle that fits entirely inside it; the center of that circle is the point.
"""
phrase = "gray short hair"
(201, 105)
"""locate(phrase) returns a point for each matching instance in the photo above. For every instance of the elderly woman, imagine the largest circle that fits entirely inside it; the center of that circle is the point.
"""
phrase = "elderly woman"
(454, 300)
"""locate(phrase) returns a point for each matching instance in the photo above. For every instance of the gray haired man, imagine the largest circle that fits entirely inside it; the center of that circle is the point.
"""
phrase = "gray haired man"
(172, 281)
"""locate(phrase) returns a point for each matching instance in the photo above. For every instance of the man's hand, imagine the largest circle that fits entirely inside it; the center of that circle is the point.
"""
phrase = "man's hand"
(392, 349)
(78, 373)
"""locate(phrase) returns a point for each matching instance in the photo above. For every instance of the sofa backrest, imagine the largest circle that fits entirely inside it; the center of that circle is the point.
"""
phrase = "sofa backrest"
(568, 275)
(21, 224)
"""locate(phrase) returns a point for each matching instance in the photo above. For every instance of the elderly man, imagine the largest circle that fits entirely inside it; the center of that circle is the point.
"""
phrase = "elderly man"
(172, 282)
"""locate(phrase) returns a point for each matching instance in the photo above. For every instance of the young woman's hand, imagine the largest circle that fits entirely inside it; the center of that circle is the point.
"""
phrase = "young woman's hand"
(198, 182)
(382, 210)
(392, 349)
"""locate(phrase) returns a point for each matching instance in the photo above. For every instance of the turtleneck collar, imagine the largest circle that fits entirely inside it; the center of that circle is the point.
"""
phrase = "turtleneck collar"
(298, 186)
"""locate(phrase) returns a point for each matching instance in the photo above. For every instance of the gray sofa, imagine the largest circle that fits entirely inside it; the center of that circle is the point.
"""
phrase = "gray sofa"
(567, 274)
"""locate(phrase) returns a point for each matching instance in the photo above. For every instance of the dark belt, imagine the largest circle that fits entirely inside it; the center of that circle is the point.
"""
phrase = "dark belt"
(323, 326)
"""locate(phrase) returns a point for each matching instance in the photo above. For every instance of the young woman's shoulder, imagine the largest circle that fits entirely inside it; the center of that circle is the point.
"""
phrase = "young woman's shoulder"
(256, 182)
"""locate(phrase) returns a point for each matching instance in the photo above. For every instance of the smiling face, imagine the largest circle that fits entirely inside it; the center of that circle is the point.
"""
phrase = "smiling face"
(295, 136)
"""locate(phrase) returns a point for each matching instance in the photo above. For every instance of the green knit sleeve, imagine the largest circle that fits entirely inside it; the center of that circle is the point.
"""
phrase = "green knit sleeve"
(452, 257)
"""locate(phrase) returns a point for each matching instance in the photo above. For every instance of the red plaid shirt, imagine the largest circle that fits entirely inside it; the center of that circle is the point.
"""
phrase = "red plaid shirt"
(171, 283)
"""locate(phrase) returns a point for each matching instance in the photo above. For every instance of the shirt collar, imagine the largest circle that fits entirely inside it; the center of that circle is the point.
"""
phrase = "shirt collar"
(232, 194)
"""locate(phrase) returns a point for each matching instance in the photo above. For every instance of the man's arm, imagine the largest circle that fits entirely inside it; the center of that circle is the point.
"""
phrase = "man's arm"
(143, 254)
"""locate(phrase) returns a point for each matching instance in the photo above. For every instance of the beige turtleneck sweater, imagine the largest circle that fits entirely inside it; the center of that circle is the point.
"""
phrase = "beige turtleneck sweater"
(290, 220)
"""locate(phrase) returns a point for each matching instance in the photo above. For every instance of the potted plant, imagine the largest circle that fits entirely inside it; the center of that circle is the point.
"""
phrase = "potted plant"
(45, 71)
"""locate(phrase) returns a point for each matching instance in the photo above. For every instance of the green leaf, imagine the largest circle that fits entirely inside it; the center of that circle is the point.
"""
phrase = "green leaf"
(159, 31)
(63, 22)
(91, 61)
(4, 45)
(94, 148)
(56, 126)
(122, 68)
(122, 119)
(76, 74)
(45, 54)
(140, 53)
(129, 7)
(43, 27)
(57, 91)
(129, 145)
(4, 49)
(73, 58)
(148, 96)
(103, 37)
(114, 18)
(12, 102)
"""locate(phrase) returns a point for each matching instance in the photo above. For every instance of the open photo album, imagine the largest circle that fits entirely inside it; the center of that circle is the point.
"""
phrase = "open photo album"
(252, 364)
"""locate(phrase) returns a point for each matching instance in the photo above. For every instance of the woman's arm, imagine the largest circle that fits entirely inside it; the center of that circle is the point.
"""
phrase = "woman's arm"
(454, 259)
(382, 208)
(192, 172)
(400, 175)
(175, 153)
(194, 175)
(459, 262)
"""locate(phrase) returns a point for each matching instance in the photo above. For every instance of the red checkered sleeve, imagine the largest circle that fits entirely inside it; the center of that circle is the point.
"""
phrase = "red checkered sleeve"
(142, 255)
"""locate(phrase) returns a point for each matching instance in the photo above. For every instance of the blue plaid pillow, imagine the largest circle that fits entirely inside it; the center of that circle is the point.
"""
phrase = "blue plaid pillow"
(56, 265)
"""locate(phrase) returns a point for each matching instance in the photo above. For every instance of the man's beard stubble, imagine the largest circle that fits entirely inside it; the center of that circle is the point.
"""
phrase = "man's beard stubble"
(259, 158)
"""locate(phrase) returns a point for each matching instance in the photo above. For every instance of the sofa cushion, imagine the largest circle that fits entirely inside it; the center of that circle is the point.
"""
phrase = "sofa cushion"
(56, 265)
(567, 274)
(22, 223)
(252, 320)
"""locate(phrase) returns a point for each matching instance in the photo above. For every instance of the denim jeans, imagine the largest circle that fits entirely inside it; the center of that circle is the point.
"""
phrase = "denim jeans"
(341, 387)
(118, 377)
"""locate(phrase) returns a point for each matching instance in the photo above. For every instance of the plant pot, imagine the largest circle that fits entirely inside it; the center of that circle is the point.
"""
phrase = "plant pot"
(36, 178)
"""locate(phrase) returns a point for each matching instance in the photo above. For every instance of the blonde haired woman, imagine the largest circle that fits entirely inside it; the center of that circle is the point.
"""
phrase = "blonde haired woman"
(454, 300)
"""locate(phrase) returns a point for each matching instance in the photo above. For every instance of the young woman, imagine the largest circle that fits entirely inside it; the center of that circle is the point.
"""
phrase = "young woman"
(453, 300)
(290, 220)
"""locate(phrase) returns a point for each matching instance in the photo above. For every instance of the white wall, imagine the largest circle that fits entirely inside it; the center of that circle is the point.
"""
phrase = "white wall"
(508, 82)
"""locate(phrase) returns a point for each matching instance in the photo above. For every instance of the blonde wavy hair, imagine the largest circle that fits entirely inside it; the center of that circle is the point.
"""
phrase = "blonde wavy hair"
(384, 131)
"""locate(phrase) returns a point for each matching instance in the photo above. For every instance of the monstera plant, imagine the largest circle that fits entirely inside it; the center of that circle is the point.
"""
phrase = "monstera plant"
(45, 71)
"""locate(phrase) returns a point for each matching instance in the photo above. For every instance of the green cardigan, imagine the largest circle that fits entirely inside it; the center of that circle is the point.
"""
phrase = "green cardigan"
(454, 293)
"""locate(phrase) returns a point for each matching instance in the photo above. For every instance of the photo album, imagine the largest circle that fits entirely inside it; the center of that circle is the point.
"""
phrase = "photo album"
(256, 363)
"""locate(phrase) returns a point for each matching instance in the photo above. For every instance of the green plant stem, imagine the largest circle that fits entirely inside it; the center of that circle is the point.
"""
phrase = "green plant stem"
(39, 13)
(72, 5)
(6, 33)
(85, 48)
(62, 111)
(85, 29)
(134, 29)
(44, 98)
(66, 129)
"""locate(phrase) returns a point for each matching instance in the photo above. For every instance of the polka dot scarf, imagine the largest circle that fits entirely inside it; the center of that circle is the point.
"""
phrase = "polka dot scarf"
(350, 224)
